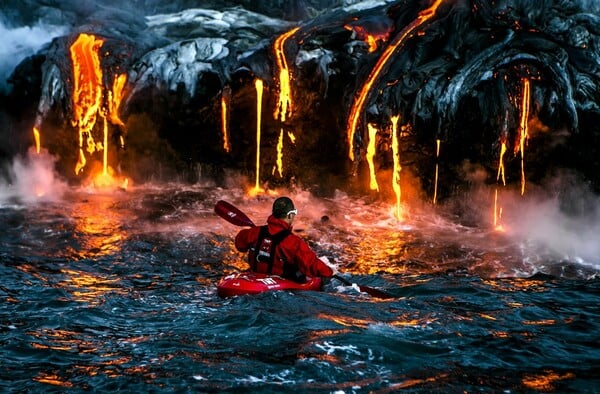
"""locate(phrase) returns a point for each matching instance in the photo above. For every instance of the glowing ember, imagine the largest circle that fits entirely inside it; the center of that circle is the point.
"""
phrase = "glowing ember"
(284, 105)
(259, 92)
(225, 97)
(523, 131)
(437, 165)
(397, 166)
(36, 136)
(361, 98)
(371, 148)
(87, 89)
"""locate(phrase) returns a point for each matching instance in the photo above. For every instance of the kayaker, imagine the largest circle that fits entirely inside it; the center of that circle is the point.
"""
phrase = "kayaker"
(274, 249)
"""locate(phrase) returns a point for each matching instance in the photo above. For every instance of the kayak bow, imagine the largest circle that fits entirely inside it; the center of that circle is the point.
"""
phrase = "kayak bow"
(253, 283)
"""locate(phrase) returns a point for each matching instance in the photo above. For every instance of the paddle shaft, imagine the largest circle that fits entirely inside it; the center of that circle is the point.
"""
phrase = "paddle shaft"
(233, 215)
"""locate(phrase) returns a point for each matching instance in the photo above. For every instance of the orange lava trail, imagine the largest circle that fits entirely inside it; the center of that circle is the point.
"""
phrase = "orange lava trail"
(524, 133)
(397, 166)
(498, 209)
(36, 136)
(501, 163)
(225, 97)
(259, 91)
(437, 165)
(371, 150)
(115, 96)
(284, 106)
(361, 98)
(279, 166)
(87, 90)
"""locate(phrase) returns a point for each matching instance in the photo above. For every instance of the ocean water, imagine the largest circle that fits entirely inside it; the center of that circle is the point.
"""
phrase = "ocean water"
(115, 291)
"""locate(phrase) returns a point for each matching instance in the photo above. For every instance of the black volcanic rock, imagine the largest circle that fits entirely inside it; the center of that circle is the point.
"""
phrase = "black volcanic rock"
(457, 78)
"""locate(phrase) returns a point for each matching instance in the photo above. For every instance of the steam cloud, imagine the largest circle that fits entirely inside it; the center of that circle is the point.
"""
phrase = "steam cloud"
(32, 179)
(564, 225)
(21, 42)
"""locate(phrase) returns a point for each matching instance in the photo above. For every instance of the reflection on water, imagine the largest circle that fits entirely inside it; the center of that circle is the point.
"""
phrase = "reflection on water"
(116, 291)
(98, 226)
(89, 288)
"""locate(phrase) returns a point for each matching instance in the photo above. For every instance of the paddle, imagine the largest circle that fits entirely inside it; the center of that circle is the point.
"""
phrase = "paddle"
(234, 216)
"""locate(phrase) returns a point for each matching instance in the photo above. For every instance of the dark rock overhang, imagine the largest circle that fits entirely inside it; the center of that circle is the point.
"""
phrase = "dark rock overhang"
(457, 78)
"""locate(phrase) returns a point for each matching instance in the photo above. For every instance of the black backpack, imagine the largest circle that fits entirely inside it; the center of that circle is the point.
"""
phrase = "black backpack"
(262, 255)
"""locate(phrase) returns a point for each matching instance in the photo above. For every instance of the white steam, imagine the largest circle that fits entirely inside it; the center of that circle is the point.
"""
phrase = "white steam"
(32, 179)
(561, 235)
(21, 42)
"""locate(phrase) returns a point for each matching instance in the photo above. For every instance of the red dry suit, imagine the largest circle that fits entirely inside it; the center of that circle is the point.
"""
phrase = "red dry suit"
(291, 255)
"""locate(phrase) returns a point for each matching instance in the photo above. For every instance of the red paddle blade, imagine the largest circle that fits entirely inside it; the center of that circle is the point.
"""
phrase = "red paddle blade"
(232, 214)
(375, 293)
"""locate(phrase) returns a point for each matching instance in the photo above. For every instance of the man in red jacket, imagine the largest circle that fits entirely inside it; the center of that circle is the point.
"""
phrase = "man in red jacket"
(273, 249)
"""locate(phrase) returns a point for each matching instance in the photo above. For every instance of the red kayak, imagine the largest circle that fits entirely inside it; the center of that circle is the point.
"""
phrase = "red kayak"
(252, 283)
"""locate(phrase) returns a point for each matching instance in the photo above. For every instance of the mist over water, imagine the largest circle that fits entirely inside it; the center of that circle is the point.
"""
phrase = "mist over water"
(32, 179)
(115, 290)
(20, 42)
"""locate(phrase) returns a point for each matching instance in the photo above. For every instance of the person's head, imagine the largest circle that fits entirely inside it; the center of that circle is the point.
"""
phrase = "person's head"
(283, 208)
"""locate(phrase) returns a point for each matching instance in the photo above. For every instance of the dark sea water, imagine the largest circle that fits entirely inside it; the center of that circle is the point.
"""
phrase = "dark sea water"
(115, 292)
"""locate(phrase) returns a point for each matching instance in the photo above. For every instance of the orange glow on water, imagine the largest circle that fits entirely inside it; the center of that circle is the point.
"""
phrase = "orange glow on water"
(52, 379)
(360, 100)
(397, 166)
(284, 105)
(545, 382)
(258, 84)
(371, 150)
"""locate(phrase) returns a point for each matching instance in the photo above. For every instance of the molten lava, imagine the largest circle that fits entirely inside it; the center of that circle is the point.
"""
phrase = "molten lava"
(501, 163)
(437, 165)
(284, 105)
(225, 98)
(36, 136)
(360, 100)
(371, 150)
(397, 166)
(523, 130)
(115, 96)
(370, 34)
(498, 209)
(87, 90)
(259, 92)
(279, 166)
